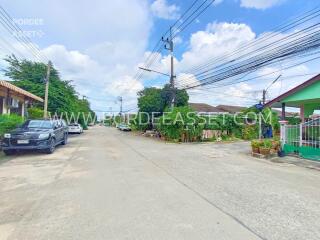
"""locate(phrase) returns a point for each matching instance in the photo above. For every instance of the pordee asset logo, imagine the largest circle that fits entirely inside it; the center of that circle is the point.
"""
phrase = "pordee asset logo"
(156, 118)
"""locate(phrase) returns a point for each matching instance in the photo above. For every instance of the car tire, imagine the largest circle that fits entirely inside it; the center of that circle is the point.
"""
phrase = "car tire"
(9, 152)
(52, 146)
(65, 139)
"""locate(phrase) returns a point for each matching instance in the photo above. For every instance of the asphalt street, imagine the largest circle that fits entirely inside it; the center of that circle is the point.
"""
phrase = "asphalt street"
(107, 184)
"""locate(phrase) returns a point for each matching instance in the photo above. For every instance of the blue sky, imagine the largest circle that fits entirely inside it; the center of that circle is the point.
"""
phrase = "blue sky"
(100, 43)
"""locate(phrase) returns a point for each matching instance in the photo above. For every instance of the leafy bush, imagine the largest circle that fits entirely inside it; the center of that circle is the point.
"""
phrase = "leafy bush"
(9, 122)
(140, 122)
(293, 120)
(266, 143)
(35, 113)
(181, 124)
(250, 132)
(256, 143)
(225, 123)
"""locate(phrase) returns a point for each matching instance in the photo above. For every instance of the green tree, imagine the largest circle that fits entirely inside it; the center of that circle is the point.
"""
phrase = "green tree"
(63, 98)
(156, 100)
(150, 100)
(35, 113)
(181, 96)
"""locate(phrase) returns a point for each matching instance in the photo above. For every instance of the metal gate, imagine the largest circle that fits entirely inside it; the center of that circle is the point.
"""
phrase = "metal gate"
(302, 139)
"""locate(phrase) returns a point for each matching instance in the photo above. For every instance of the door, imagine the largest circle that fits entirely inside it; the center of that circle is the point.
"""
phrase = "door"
(57, 131)
(60, 131)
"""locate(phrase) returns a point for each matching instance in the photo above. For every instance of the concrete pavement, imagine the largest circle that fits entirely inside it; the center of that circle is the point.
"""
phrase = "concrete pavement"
(108, 184)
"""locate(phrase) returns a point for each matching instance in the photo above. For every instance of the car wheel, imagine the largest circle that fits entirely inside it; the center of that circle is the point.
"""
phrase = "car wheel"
(9, 152)
(65, 139)
(52, 146)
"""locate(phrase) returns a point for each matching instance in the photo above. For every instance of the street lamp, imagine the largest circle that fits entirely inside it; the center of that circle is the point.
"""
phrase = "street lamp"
(150, 70)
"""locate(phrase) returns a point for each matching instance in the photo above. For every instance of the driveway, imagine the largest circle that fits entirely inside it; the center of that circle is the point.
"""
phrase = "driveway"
(108, 184)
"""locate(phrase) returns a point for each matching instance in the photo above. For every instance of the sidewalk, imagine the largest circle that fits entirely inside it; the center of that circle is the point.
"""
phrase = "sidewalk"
(301, 162)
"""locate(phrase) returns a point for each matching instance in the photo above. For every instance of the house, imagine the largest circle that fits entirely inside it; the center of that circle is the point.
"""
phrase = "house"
(14, 99)
(231, 109)
(206, 109)
(302, 139)
(306, 97)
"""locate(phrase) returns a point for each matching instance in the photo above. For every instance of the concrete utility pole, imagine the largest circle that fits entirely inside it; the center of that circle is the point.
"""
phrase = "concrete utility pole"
(264, 96)
(121, 101)
(169, 42)
(45, 112)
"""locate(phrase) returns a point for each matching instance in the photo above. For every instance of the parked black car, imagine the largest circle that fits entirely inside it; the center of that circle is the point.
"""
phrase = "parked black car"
(36, 135)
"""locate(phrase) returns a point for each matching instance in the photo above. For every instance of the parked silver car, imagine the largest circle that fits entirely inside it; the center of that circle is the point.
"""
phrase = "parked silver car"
(75, 128)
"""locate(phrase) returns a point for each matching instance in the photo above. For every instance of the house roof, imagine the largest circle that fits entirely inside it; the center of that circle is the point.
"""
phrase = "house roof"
(288, 114)
(230, 108)
(18, 90)
(275, 102)
(205, 108)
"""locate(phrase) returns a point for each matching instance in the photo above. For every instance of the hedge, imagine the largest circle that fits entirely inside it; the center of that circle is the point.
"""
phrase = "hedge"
(9, 122)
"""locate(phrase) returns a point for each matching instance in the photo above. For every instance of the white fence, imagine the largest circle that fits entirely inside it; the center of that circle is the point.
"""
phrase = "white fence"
(302, 139)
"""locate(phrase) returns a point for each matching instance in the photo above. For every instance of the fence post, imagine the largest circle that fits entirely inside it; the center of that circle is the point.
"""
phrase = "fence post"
(283, 125)
(300, 135)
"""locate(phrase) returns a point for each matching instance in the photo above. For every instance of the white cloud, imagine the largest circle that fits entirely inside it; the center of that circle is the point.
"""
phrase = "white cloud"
(260, 4)
(217, 2)
(161, 9)
(94, 45)
(177, 40)
(127, 85)
(101, 83)
(217, 40)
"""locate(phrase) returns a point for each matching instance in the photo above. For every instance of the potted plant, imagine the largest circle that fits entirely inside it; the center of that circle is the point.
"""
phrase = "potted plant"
(275, 146)
(255, 144)
(265, 147)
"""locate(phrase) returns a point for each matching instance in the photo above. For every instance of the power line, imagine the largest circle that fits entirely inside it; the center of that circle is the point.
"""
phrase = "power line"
(261, 76)
(273, 33)
(13, 29)
(200, 10)
(158, 48)
(303, 41)
(255, 52)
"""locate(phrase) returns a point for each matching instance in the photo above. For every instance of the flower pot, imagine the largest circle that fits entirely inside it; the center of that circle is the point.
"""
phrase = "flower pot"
(281, 153)
(264, 151)
(255, 150)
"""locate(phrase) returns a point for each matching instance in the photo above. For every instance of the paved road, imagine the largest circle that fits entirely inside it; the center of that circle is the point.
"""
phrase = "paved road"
(112, 185)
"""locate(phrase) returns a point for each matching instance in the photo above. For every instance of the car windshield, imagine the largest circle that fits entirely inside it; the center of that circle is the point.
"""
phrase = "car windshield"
(38, 124)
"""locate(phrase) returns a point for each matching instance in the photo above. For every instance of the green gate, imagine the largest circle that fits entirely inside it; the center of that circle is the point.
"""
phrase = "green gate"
(302, 140)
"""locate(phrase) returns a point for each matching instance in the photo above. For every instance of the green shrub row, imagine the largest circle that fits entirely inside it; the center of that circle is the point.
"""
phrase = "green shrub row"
(9, 122)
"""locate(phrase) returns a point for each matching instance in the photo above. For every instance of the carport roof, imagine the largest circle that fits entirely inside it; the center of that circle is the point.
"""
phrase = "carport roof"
(307, 97)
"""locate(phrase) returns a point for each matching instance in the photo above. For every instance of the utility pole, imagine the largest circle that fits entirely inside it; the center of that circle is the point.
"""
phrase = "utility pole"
(121, 101)
(45, 112)
(169, 42)
(264, 96)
